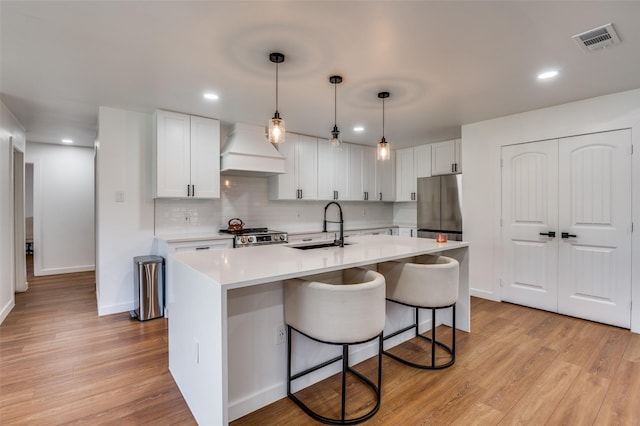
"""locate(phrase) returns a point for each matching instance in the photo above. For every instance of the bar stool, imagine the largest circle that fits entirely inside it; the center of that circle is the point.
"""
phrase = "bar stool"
(425, 282)
(337, 308)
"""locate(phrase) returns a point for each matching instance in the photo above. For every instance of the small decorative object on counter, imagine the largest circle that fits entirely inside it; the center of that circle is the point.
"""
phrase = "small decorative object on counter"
(441, 238)
(236, 224)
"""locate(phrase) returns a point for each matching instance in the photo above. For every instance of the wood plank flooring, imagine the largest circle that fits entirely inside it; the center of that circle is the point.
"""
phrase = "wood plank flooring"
(62, 364)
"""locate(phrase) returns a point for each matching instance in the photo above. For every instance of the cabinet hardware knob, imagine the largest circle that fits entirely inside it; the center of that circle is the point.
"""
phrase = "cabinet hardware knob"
(551, 234)
(568, 235)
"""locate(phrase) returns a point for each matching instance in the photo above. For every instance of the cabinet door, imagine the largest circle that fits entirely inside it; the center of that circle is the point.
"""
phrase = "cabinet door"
(333, 171)
(386, 178)
(285, 186)
(307, 167)
(205, 157)
(172, 154)
(405, 175)
(595, 212)
(422, 161)
(443, 158)
(458, 155)
(356, 185)
(369, 173)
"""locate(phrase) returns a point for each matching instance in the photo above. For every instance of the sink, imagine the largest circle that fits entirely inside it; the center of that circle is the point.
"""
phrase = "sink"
(318, 245)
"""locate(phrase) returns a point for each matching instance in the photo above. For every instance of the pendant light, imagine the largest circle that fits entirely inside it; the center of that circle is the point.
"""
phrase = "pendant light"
(384, 149)
(336, 138)
(276, 124)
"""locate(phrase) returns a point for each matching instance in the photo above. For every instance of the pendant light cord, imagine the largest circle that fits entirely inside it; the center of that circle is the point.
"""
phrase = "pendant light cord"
(335, 104)
(382, 118)
(276, 87)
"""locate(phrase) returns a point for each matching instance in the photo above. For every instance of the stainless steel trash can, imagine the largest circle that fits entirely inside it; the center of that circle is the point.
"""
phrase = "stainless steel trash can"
(148, 274)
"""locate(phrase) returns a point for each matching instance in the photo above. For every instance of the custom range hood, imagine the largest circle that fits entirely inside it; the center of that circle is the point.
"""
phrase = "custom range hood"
(248, 152)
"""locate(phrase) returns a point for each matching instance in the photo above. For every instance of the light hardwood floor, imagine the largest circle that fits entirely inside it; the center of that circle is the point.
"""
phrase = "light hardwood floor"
(62, 364)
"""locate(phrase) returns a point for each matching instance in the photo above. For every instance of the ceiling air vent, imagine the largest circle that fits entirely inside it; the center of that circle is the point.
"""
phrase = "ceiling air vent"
(597, 38)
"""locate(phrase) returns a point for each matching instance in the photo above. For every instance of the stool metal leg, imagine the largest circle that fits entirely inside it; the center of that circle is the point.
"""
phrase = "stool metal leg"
(345, 369)
(449, 349)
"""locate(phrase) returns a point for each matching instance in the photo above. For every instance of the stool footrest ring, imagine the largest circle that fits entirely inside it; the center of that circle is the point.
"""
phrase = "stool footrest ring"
(345, 369)
(451, 350)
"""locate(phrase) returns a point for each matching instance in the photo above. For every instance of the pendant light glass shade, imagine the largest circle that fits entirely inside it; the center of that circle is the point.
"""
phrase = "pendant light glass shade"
(336, 138)
(277, 130)
(384, 149)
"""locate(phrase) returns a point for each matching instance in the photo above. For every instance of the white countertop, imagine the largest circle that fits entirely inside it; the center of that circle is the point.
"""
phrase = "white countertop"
(241, 267)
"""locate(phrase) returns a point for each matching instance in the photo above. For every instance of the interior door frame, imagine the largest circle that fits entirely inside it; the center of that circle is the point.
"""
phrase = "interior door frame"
(20, 283)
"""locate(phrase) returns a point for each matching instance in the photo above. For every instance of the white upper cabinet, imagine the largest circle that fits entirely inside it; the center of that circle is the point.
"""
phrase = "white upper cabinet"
(411, 163)
(186, 156)
(422, 161)
(405, 175)
(362, 173)
(301, 164)
(333, 171)
(386, 178)
(445, 157)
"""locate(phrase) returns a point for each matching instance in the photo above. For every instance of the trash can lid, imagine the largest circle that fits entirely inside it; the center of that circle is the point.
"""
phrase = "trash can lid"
(148, 259)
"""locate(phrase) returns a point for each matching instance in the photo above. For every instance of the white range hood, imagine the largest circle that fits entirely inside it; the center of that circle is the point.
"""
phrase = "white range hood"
(248, 152)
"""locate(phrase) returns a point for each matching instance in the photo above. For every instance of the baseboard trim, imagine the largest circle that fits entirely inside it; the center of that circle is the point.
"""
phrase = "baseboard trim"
(7, 309)
(67, 270)
(115, 309)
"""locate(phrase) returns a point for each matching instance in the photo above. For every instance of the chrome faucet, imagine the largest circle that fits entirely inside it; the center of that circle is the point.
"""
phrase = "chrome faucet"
(341, 222)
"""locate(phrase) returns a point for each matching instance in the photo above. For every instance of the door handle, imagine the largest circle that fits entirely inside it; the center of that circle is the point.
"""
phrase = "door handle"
(568, 235)
(551, 234)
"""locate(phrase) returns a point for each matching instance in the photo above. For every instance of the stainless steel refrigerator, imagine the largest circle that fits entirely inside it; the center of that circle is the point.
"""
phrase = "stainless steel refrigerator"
(440, 206)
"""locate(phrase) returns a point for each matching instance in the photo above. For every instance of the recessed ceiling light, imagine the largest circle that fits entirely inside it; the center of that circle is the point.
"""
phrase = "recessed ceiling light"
(547, 74)
(211, 96)
(358, 129)
(67, 141)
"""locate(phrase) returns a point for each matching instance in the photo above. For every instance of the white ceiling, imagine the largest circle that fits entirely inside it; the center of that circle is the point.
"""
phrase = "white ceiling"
(445, 63)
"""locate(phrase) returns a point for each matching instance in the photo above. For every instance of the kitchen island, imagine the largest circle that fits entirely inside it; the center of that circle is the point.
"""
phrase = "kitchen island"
(225, 350)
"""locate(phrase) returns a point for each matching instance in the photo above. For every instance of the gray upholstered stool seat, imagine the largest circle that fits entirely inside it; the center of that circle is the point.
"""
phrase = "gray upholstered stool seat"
(339, 308)
(424, 282)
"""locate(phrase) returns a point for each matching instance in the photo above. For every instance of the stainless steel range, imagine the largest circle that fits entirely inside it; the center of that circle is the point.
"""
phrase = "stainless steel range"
(250, 237)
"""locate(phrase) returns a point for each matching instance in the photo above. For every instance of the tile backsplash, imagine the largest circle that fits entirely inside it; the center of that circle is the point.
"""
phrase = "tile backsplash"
(247, 198)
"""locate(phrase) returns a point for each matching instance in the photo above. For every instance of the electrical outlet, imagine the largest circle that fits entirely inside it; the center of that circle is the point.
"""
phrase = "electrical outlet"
(281, 335)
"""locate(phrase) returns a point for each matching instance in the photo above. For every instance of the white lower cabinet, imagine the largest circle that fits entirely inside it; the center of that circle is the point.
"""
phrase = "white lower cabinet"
(307, 238)
(407, 232)
(377, 231)
(165, 248)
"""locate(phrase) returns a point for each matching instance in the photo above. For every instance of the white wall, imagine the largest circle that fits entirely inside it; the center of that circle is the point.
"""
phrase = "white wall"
(481, 144)
(63, 228)
(11, 135)
(124, 229)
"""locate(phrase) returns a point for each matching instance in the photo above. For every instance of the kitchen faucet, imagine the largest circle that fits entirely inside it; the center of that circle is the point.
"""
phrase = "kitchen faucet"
(341, 222)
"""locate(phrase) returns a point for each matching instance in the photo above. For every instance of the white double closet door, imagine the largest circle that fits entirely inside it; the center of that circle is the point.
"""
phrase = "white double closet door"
(566, 226)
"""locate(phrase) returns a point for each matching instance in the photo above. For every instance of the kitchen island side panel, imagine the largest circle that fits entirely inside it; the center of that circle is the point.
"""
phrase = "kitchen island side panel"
(197, 343)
